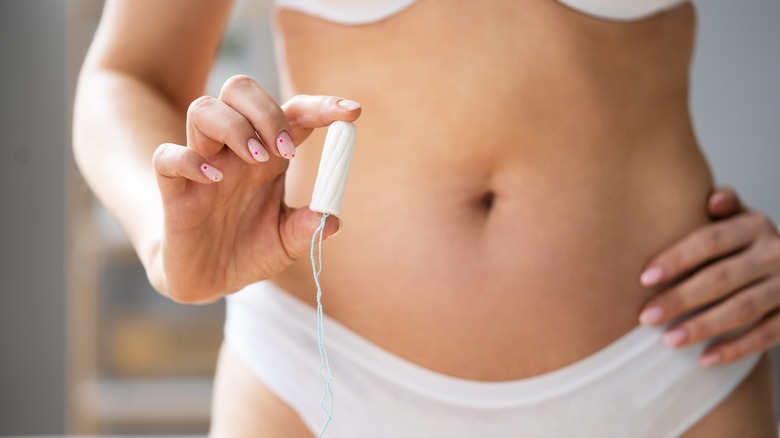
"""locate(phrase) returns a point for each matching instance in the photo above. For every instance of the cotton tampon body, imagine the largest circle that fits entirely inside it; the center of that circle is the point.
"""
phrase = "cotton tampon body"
(334, 168)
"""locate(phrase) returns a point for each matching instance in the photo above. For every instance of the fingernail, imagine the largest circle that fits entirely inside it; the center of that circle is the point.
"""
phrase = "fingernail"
(710, 359)
(211, 172)
(285, 145)
(341, 226)
(349, 105)
(651, 276)
(675, 337)
(716, 198)
(651, 316)
(256, 149)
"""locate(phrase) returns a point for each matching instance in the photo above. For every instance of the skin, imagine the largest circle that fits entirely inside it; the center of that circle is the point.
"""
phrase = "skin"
(540, 177)
(733, 263)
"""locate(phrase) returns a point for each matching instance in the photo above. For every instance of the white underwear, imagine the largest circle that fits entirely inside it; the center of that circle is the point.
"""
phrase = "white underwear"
(634, 387)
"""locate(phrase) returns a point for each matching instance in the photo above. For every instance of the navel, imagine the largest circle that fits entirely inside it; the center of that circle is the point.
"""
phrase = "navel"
(487, 200)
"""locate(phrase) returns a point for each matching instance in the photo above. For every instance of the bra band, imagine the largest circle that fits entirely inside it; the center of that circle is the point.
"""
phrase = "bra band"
(357, 12)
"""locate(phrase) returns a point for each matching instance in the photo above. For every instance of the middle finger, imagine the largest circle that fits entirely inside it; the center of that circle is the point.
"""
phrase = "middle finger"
(709, 284)
(741, 310)
(247, 97)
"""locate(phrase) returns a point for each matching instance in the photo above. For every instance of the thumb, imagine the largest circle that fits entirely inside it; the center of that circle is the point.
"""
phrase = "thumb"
(298, 227)
(723, 203)
(304, 113)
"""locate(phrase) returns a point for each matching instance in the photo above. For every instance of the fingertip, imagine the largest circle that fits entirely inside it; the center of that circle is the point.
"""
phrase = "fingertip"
(350, 110)
(651, 316)
(333, 224)
(715, 199)
(723, 202)
(258, 152)
(675, 337)
(652, 276)
(348, 105)
(340, 225)
(710, 358)
(285, 146)
(211, 173)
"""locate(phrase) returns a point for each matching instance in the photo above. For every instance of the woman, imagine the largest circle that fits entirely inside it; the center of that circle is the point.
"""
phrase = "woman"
(519, 165)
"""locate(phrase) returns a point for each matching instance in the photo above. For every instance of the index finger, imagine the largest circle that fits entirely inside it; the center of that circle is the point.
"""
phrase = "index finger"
(305, 113)
(701, 246)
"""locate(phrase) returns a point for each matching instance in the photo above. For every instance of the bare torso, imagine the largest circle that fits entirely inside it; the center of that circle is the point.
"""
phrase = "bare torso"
(577, 128)
(518, 163)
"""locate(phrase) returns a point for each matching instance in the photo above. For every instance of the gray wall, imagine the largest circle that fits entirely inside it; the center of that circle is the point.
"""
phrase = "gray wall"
(34, 150)
(736, 96)
(736, 101)
(736, 106)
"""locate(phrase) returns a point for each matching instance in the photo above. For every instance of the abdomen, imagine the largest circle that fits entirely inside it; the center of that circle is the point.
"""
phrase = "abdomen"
(510, 181)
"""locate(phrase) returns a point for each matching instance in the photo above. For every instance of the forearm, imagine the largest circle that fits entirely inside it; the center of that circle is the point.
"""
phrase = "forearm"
(119, 120)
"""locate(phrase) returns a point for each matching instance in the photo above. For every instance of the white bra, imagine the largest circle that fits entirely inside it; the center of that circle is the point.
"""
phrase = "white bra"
(370, 11)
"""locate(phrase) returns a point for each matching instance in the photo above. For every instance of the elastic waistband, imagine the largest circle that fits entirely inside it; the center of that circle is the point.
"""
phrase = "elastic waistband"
(289, 316)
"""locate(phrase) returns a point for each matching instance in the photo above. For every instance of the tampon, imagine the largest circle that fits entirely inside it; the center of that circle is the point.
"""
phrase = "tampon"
(334, 168)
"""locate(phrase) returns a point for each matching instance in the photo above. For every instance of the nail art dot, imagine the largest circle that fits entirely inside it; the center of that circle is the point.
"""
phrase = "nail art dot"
(256, 152)
(281, 140)
(285, 155)
(205, 167)
(293, 156)
(216, 179)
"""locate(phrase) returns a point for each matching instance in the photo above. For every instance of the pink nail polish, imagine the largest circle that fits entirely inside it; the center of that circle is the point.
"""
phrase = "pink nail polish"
(349, 105)
(211, 172)
(710, 359)
(675, 337)
(257, 150)
(652, 276)
(285, 145)
(651, 316)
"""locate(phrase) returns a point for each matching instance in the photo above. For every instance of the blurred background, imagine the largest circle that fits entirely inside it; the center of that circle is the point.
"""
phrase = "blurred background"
(87, 347)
